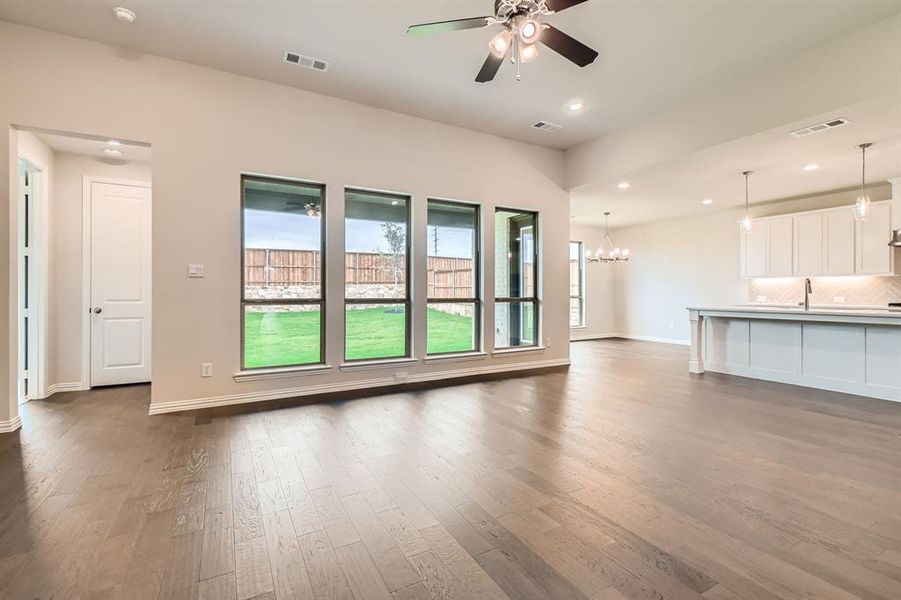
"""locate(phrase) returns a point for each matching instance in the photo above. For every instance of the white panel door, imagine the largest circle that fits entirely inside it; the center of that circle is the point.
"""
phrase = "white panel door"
(808, 245)
(755, 250)
(838, 243)
(120, 284)
(780, 246)
(874, 255)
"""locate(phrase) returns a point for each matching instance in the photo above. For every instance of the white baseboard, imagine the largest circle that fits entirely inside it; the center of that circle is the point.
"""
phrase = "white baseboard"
(326, 388)
(72, 386)
(10, 425)
(581, 337)
(629, 336)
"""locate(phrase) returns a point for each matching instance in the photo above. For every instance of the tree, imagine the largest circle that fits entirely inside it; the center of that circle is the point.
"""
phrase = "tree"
(395, 259)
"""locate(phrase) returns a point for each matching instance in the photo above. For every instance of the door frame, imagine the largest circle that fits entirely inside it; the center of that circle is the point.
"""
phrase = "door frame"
(39, 277)
(87, 265)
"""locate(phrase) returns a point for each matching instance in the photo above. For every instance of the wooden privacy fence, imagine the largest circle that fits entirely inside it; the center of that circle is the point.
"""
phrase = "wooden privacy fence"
(448, 277)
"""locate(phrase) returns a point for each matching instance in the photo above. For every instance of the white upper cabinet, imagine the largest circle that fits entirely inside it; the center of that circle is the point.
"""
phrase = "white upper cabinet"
(755, 260)
(809, 244)
(779, 247)
(874, 256)
(820, 242)
(838, 242)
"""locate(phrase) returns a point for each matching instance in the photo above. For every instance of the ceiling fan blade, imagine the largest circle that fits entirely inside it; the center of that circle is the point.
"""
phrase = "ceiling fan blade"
(455, 25)
(558, 5)
(567, 47)
(489, 68)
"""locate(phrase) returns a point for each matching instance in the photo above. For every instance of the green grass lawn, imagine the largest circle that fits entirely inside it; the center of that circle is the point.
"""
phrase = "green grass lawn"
(292, 338)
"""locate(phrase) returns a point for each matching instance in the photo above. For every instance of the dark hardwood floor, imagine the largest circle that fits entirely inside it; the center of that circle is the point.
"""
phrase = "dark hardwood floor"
(622, 478)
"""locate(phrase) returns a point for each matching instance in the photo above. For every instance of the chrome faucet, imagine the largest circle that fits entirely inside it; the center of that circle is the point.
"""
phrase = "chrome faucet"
(808, 290)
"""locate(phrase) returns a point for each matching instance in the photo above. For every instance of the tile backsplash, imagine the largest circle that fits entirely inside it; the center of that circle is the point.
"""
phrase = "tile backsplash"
(859, 290)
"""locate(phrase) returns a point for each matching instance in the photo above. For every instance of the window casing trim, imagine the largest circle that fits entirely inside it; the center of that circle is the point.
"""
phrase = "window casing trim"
(407, 300)
(535, 298)
(288, 301)
(476, 299)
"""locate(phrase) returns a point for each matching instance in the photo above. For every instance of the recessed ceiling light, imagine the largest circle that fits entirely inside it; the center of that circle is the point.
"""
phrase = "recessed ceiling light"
(112, 152)
(623, 185)
(575, 106)
(124, 15)
(811, 167)
(113, 143)
(707, 201)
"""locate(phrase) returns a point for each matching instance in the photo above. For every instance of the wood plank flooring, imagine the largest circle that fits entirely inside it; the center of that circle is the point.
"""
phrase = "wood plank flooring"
(623, 477)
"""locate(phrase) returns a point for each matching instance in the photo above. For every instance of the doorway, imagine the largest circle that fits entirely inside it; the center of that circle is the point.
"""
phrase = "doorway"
(27, 385)
(117, 271)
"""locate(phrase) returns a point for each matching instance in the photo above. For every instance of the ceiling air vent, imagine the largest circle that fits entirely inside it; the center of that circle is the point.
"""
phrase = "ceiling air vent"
(308, 62)
(818, 128)
(546, 126)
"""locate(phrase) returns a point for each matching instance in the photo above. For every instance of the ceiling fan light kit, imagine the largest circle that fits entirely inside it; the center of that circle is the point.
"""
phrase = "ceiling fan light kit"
(523, 30)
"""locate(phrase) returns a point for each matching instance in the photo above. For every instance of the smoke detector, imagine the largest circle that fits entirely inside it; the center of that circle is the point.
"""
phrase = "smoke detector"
(818, 128)
(308, 62)
(547, 126)
(124, 15)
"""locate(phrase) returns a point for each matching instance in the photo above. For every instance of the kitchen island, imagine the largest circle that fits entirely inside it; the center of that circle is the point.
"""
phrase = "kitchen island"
(856, 351)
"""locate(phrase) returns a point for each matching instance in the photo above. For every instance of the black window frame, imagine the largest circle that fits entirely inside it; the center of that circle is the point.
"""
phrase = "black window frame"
(407, 300)
(510, 300)
(476, 299)
(289, 301)
(581, 295)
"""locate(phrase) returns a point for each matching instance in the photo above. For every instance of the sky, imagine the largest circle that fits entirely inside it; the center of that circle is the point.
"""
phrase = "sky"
(287, 231)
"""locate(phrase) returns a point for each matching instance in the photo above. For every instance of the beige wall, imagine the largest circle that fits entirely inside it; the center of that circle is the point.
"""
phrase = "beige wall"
(685, 262)
(65, 315)
(206, 127)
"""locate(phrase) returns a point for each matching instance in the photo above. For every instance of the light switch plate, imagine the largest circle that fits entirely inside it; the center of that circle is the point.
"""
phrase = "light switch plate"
(195, 270)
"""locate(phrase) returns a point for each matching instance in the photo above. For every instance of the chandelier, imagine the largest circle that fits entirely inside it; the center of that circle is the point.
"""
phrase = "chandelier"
(611, 253)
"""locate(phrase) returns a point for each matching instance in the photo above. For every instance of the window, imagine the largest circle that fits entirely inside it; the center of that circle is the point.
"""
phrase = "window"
(376, 275)
(576, 285)
(454, 310)
(283, 257)
(516, 277)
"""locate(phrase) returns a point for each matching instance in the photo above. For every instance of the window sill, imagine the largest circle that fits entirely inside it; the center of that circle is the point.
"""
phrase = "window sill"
(440, 358)
(365, 365)
(571, 327)
(278, 373)
(521, 350)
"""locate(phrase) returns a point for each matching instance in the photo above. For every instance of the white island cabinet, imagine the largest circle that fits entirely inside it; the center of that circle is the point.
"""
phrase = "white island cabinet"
(851, 351)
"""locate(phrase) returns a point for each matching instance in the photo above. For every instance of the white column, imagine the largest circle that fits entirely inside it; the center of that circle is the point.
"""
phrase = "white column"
(696, 358)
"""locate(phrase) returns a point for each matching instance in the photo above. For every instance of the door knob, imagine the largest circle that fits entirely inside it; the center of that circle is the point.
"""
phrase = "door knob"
(98, 310)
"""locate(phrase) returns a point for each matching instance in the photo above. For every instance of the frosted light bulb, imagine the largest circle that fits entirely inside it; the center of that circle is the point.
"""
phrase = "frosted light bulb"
(499, 44)
(862, 208)
(528, 53)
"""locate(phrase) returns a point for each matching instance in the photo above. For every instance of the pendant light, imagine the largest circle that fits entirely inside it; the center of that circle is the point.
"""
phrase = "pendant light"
(746, 223)
(862, 206)
(613, 253)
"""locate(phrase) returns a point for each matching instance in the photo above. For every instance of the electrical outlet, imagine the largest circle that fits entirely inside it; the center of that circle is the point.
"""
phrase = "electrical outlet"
(671, 326)
(206, 369)
(838, 299)
(195, 270)
(401, 377)
(547, 342)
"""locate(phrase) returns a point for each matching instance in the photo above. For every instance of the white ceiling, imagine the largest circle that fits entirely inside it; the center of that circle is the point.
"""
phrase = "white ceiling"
(652, 53)
(676, 188)
(90, 146)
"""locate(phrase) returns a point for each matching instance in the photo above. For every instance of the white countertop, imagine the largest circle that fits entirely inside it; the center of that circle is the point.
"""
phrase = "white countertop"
(816, 313)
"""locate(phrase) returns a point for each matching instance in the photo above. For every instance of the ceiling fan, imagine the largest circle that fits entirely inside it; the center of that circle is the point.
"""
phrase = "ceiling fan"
(522, 31)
